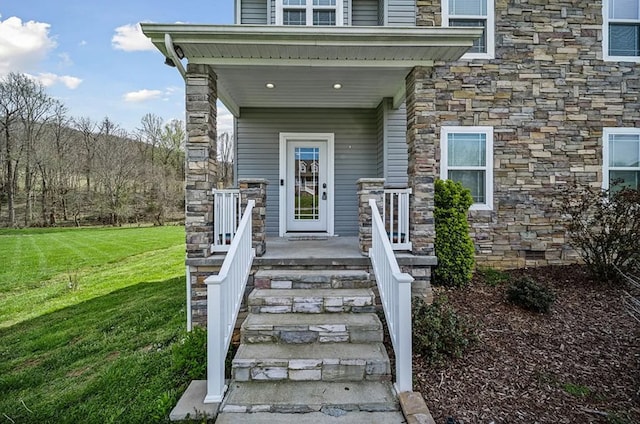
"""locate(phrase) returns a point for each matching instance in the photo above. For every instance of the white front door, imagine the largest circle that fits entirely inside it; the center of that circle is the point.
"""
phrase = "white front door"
(306, 183)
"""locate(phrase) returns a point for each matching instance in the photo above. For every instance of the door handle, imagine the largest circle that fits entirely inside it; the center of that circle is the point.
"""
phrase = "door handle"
(324, 195)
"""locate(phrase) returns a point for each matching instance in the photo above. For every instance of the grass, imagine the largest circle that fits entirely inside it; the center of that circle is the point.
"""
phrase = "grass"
(99, 351)
(44, 270)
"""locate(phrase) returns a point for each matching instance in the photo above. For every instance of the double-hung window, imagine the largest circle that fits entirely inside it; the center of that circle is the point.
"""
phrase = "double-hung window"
(466, 156)
(621, 30)
(473, 13)
(621, 157)
(309, 12)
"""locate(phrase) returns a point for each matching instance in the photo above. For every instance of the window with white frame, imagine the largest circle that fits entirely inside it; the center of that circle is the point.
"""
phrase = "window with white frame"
(621, 30)
(472, 13)
(621, 157)
(466, 156)
(309, 12)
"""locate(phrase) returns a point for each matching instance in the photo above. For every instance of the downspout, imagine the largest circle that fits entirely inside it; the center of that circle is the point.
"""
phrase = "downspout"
(168, 44)
(189, 323)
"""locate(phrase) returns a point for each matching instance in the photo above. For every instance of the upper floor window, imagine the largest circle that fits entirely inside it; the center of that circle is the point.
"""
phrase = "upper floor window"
(466, 156)
(621, 30)
(473, 13)
(621, 157)
(309, 12)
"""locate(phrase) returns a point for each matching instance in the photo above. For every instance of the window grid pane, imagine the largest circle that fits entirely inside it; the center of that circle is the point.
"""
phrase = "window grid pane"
(480, 44)
(294, 2)
(624, 150)
(473, 180)
(468, 7)
(622, 179)
(466, 149)
(294, 17)
(324, 17)
(324, 2)
(624, 9)
(624, 39)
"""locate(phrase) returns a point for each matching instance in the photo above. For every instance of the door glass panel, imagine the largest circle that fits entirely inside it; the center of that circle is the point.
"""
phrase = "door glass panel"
(306, 190)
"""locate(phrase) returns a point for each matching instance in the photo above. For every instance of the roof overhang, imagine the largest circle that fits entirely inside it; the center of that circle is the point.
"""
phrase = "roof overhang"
(305, 62)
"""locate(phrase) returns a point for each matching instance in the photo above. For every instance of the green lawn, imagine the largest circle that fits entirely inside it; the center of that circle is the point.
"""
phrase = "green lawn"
(87, 321)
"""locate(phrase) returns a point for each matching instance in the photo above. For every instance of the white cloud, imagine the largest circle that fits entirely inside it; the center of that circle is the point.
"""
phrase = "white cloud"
(142, 96)
(48, 79)
(131, 39)
(23, 45)
(82, 43)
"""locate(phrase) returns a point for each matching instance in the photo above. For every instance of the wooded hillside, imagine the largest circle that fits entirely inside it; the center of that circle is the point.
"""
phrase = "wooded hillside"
(63, 170)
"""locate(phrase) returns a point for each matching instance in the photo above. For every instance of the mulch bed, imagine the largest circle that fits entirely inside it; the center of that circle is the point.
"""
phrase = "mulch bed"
(578, 364)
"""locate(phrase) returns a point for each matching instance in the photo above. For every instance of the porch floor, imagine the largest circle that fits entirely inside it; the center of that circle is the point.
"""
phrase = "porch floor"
(329, 247)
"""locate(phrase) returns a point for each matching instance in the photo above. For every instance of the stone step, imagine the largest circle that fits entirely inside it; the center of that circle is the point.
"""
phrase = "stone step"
(301, 397)
(311, 362)
(312, 279)
(328, 416)
(281, 301)
(311, 328)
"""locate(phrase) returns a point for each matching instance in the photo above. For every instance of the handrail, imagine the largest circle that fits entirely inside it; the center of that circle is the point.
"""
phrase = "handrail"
(224, 297)
(395, 217)
(395, 293)
(226, 218)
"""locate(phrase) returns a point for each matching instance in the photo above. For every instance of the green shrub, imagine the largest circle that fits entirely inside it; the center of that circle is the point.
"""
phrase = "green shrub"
(529, 295)
(190, 355)
(604, 228)
(453, 245)
(438, 332)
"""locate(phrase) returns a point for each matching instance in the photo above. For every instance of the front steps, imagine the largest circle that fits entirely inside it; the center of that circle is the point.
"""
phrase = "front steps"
(311, 345)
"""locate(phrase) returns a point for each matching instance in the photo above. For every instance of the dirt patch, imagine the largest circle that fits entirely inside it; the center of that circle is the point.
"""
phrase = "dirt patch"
(578, 364)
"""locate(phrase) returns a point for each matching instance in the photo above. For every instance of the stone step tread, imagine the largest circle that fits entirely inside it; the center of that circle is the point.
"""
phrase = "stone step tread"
(311, 362)
(311, 300)
(273, 352)
(330, 415)
(309, 396)
(258, 296)
(365, 321)
(312, 328)
(304, 274)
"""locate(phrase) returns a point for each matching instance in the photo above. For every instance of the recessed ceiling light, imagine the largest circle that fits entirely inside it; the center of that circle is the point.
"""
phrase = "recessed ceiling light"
(270, 85)
(337, 86)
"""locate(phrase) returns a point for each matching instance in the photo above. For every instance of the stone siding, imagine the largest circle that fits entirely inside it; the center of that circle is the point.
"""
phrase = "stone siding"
(547, 94)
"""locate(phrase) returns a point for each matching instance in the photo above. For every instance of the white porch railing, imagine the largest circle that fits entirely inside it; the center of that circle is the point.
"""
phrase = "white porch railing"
(395, 294)
(395, 216)
(224, 296)
(226, 218)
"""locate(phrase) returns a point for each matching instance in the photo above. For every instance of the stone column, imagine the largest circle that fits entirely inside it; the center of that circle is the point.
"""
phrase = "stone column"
(368, 188)
(422, 141)
(256, 189)
(201, 163)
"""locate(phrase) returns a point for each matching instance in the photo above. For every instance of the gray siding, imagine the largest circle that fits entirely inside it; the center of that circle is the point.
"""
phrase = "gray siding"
(380, 138)
(395, 144)
(254, 12)
(258, 132)
(401, 12)
(364, 12)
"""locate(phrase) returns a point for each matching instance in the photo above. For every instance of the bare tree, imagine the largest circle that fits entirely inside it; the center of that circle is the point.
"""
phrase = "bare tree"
(116, 166)
(11, 105)
(87, 129)
(225, 158)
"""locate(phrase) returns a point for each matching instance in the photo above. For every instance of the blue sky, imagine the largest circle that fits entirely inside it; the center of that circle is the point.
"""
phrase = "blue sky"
(90, 54)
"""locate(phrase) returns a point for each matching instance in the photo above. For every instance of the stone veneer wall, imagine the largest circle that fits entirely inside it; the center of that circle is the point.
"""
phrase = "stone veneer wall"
(201, 97)
(547, 94)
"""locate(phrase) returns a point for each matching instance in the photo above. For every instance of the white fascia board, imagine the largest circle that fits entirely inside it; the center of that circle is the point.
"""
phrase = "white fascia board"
(319, 36)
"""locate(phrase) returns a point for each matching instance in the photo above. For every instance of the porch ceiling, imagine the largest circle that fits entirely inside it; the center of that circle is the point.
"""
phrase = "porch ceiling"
(304, 63)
